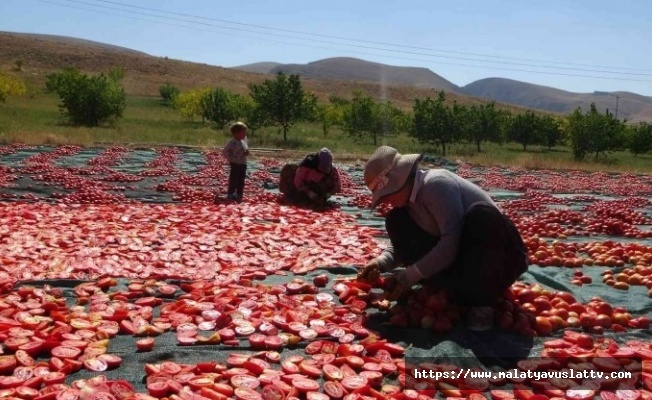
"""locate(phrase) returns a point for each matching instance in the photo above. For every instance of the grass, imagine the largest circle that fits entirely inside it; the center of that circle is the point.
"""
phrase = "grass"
(36, 120)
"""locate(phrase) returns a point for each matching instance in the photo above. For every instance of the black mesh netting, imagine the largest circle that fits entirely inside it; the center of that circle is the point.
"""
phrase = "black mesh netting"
(494, 347)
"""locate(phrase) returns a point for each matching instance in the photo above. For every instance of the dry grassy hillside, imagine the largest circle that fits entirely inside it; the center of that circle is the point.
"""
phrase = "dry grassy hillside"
(41, 55)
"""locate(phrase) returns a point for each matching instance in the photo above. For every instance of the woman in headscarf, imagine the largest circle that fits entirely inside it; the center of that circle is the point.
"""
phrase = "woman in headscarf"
(312, 182)
(446, 231)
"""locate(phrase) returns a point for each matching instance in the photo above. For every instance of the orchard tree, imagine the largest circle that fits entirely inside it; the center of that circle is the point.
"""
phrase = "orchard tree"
(168, 94)
(10, 86)
(580, 134)
(364, 117)
(434, 123)
(524, 129)
(284, 101)
(639, 138)
(88, 100)
(595, 133)
(332, 113)
(551, 131)
(189, 103)
(482, 123)
(252, 114)
(220, 106)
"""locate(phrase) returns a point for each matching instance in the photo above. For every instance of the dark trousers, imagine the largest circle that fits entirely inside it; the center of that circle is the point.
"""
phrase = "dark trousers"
(491, 254)
(236, 180)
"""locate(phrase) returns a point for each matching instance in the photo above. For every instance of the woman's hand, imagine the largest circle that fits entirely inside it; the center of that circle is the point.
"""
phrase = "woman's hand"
(369, 273)
(397, 285)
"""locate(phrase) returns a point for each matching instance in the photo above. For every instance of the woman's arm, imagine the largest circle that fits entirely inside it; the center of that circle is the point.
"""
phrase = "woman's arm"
(443, 200)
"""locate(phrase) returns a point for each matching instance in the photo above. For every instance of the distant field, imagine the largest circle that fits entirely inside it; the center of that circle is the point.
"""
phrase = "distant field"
(37, 120)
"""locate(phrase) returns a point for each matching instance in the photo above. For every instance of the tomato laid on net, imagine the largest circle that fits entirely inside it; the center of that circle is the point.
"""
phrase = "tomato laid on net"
(272, 392)
(247, 394)
(305, 385)
(95, 364)
(354, 382)
(65, 352)
(245, 381)
(334, 389)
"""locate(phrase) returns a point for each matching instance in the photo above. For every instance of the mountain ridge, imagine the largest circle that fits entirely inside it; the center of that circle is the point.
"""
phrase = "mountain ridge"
(41, 54)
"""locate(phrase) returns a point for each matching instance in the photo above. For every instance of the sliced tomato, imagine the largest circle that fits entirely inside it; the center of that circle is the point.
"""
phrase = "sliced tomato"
(354, 382)
(247, 394)
(334, 389)
(272, 392)
(305, 385)
(245, 381)
(95, 364)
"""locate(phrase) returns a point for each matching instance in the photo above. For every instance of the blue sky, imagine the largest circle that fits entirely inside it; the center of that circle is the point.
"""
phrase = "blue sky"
(567, 44)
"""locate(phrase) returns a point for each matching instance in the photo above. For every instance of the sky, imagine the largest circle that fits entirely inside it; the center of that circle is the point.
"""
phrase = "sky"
(575, 45)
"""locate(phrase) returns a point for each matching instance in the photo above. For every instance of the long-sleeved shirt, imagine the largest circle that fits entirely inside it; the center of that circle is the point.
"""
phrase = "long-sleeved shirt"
(307, 174)
(235, 151)
(438, 202)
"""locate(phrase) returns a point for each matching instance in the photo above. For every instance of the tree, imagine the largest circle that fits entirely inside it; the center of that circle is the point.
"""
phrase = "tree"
(483, 123)
(283, 100)
(434, 122)
(88, 100)
(524, 129)
(639, 138)
(220, 106)
(168, 94)
(189, 103)
(252, 114)
(10, 86)
(580, 134)
(551, 131)
(358, 117)
(595, 133)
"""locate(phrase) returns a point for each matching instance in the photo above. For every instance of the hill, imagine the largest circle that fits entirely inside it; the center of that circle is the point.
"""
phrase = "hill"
(258, 68)
(353, 69)
(631, 106)
(40, 55)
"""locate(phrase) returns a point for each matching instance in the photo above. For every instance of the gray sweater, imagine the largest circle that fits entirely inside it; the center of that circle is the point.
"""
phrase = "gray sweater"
(439, 200)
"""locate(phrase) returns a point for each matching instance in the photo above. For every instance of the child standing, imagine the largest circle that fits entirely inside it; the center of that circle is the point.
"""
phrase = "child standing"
(236, 152)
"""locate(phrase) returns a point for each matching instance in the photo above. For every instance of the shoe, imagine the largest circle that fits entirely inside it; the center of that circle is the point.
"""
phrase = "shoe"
(480, 319)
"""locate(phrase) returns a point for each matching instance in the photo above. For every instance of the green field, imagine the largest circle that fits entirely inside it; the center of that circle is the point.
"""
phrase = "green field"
(37, 120)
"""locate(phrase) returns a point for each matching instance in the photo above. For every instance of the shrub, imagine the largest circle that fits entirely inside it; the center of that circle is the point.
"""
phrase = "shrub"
(168, 94)
(88, 101)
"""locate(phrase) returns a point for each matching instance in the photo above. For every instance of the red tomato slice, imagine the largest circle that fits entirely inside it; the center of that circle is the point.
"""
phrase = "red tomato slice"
(317, 396)
(95, 364)
(354, 382)
(580, 394)
(121, 389)
(247, 394)
(305, 385)
(245, 381)
(628, 394)
(64, 352)
(272, 392)
(501, 395)
(111, 360)
(334, 389)
(158, 389)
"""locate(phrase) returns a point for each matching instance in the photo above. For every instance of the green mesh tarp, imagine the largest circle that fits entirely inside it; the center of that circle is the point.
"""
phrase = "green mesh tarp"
(493, 347)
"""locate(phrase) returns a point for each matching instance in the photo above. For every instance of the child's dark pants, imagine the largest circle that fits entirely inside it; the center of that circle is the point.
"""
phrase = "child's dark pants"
(237, 180)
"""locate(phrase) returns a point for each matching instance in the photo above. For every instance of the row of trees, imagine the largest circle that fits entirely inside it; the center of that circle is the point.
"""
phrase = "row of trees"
(282, 102)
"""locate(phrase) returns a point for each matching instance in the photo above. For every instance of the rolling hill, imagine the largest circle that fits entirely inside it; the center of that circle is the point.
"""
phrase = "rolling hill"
(40, 55)
(144, 74)
(631, 106)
